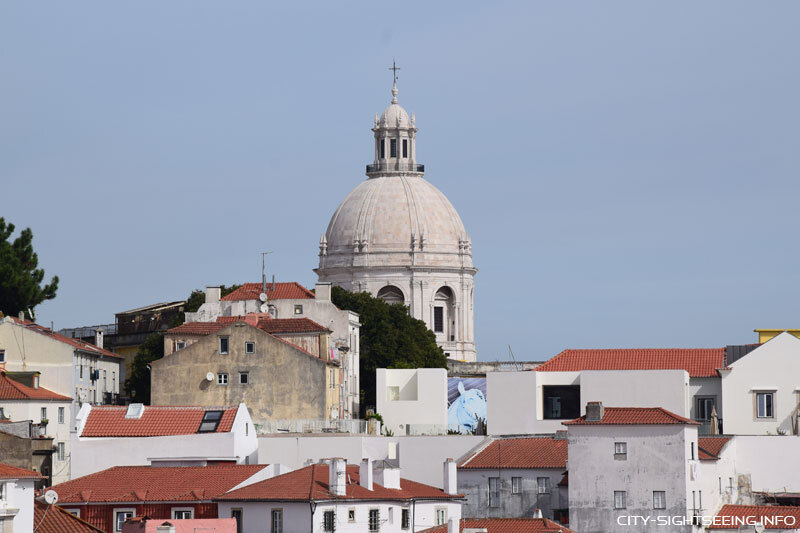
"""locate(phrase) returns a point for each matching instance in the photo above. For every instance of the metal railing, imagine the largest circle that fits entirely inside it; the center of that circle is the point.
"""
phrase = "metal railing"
(311, 425)
(399, 166)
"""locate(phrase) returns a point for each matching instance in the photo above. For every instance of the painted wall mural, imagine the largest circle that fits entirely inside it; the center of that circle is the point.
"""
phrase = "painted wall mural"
(466, 400)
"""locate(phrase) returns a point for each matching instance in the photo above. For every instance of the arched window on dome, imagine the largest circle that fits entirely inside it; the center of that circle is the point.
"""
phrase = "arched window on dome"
(391, 295)
(444, 314)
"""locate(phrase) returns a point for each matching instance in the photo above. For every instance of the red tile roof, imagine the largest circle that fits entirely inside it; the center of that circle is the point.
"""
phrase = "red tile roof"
(630, 416)
(155, 484)
(278, 326)
(156, 421)
(11, 390)
(311, 482)
(507, 525)
(698, 362)
(13, 472)
(197, 328)
(778, 517)
(524, 452)
(274, 326)
(282, 291)
(75, 343)
(54, 519)
(709, 448)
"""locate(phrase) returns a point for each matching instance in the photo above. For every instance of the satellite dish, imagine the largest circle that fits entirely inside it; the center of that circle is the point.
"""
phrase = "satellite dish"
(759, 527)
(51, 497)
(210, 376)
(265, 308)
(263, 296)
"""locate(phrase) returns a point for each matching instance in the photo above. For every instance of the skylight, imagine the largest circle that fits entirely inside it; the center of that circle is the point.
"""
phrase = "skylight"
(210, 423)
(135, 410)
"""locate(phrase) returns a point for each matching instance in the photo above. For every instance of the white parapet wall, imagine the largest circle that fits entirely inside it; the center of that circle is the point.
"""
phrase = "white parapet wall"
(413, 397)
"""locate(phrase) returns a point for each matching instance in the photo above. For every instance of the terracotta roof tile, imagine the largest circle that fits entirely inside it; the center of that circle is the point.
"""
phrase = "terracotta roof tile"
(778, 517)
(12, 390)
(13, 472)
(630, 416)
(151, 484)
(311, 482)
(277, 326)
(54, 519)
(75, 343)
(282, 291)
(507, 525)
(709, 448)
(698, 362)
(197, 328)
(524, 452)
(156, 421)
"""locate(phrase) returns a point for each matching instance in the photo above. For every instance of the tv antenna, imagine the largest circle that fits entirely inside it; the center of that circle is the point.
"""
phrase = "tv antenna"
(511, 353)
(263, 273)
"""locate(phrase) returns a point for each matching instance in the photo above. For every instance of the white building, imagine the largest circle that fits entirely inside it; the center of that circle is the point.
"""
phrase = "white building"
(292, 300)
(412, 401)
(16, 498)
(626, 463)
(68, 366)
(399, 238)
(19, 401)
(333, 496)
(144, 435)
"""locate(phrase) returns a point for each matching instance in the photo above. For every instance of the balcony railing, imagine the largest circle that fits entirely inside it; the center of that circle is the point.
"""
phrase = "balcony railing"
(393, 167)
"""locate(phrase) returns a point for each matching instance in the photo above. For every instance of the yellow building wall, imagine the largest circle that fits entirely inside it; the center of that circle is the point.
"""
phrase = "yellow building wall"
(766, 334)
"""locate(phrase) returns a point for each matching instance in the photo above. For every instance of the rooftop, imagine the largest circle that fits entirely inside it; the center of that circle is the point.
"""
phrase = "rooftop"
(698, 362)
(709, 448)
(311, 483)
(507, 525)
(75, 343)
(150, 484)
(634, 416)
(155, 421)
(54, 519)
(12, 472)
(278, 291)
(274, 326)
(523, 452)
(12, 390)
(777, 516)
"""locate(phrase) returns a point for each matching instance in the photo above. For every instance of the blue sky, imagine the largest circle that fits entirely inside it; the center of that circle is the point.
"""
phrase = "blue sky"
(628, 171)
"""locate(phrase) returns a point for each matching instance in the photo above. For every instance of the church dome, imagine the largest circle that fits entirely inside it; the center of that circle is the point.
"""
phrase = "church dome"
(395, 116)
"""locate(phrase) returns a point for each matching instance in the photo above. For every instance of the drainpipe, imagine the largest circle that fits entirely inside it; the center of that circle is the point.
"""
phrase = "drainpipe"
(313, 507)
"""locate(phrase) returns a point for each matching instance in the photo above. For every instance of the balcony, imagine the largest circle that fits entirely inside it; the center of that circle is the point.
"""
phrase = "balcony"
(400, 166)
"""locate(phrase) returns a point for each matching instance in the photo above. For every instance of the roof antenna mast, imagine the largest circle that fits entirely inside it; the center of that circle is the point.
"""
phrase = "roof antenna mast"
(263, 272)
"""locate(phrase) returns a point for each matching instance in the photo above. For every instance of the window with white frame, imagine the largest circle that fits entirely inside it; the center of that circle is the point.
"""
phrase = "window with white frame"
(74, 512)
(62, 454)
(249, 347)
(298, 309)
(542, 483)
(516, 484)
(659, 499)
(222, 378)
(621, 451)
(120, 515)
(44, 414)
(61, 415)
(619, 499)
(494, 492)
(223, 345)
(374, 520)
(765, 405)
(277, 521)
(182, 513)
(705, 406)
(180, 345)
(328, 521)
(441, 516)
(351, 514)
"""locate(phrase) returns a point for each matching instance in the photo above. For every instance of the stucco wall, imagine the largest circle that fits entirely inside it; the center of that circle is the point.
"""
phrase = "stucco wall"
(284, 382)
(637, 388)
(474, 484)
(20, 496)
(772, 462)
(422, 399)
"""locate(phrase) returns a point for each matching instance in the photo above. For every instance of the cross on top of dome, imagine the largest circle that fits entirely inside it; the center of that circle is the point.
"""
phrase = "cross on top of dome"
(394, 68)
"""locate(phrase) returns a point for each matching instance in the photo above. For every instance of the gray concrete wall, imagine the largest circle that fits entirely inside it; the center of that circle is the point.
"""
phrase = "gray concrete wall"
(284, 382)
(474, 484)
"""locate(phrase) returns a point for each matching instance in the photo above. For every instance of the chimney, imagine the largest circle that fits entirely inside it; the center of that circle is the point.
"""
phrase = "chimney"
(365, 474)
(387, 476)
(452, 526)
(322, 292)
(450, 485)
(21, 315)
(213, 294)
(98, 338)
(594, 411)
(337, 477)
(537, 513)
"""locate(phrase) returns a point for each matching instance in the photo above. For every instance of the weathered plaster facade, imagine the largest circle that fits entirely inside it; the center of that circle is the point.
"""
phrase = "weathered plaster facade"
(283, 382)
(474, 484)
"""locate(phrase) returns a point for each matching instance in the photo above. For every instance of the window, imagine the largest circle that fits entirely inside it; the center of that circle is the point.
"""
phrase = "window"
(374, 520)
(277, 521)
(516, 485)
(44, 414)
(561, 402)
(692, 447)
(2, 356)
(392, 147)
(704, 408)
(621, 451)
(328, 521)
(249, 347)
(62, 454)
(764, 405)
(383, 148)
(351, 515)
(237, 514)
(438, 319)
(494, 492)
(405, 147)
(80, 369)
(182, 513)
(298, 309)
(441, 516)
(180, 345)
(74, 512)
(2, 491)
(244, 378)
(542, 484)
(222, 378)
(659, 499)
(120, 515)
(405, 519)
(619, 499)
(223, 345)
(211, 420)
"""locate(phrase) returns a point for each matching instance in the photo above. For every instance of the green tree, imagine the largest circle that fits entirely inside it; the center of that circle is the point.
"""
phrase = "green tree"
(390, 338)
(20, 280)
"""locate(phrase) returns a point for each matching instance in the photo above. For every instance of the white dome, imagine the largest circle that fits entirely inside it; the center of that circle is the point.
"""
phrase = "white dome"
(395, 116)
(389, 217)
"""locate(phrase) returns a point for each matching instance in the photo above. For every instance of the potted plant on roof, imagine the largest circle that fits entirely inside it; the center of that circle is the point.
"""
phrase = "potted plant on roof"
(43, 427)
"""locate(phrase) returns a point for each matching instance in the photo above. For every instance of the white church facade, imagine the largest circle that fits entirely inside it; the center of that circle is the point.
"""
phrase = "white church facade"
(399, 238)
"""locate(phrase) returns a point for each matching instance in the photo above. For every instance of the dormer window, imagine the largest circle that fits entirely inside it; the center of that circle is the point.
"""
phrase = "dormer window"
(392, 147)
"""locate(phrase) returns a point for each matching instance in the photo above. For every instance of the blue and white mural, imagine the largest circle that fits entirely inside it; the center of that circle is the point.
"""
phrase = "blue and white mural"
(466, 400)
